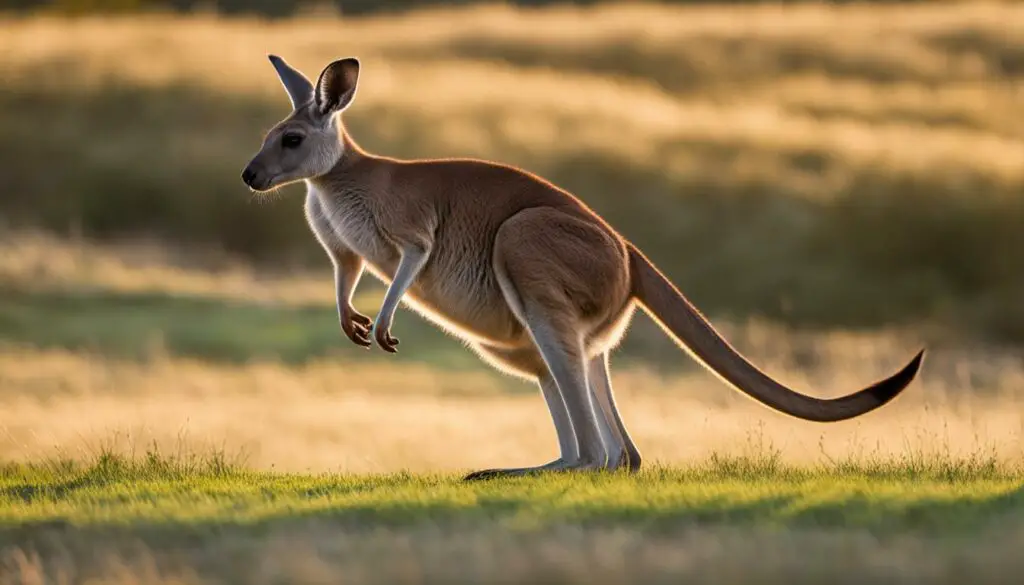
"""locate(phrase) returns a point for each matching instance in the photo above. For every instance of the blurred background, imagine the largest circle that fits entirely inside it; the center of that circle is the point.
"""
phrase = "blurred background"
(834, 184)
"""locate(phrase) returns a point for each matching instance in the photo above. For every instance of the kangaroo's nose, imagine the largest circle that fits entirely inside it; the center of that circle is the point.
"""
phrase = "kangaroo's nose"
(248, 175)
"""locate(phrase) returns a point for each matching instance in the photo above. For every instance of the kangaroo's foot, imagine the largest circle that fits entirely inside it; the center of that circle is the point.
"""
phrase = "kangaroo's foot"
(557, 465)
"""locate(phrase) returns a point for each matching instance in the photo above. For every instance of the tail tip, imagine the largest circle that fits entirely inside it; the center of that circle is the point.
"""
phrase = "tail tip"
(904, 377)
(888, 389)
(915, 364)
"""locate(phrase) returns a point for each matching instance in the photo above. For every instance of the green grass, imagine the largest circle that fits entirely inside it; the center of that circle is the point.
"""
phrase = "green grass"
(209, 518)
(135, 325)
(179, 494)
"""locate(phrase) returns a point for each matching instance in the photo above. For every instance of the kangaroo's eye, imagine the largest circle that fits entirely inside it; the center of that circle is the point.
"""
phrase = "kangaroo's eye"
(291, 140)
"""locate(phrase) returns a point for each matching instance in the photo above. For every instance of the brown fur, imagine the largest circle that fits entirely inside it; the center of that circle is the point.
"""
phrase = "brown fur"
(523, 271)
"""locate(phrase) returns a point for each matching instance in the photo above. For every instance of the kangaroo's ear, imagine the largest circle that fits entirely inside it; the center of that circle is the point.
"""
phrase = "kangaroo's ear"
(299, 89)
(337, 85)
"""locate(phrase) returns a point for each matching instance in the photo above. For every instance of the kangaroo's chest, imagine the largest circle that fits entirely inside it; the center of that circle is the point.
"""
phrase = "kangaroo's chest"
(455, 289)
(352, 224)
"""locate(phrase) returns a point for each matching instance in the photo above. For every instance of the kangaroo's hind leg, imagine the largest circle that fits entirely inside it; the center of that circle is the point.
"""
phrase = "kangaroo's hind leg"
(527, 363)
(601, 386)
(566, 440)
(565, 389)
(561, 275)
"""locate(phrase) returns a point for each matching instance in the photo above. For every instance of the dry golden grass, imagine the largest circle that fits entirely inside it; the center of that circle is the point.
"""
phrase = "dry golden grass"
(330, 415)
(355, 416)
(758, 141)
(32, 260)
(542, 78)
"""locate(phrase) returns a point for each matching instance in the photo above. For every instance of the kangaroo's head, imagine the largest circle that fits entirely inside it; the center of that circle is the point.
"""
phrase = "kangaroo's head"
(309, 142)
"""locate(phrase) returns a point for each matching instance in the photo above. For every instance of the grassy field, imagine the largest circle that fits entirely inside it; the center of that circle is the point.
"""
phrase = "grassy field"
(829, 166)
(835, 185)
(199, 521)
(167, 422)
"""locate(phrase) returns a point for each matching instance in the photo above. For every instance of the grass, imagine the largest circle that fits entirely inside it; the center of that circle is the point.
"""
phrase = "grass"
(158, 490)
(138, 341)
(356, 416)
(847, 170)
(750, 150)
(202, 520)
(174, 419)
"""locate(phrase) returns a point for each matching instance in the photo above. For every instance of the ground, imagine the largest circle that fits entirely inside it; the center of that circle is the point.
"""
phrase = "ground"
(199, 521)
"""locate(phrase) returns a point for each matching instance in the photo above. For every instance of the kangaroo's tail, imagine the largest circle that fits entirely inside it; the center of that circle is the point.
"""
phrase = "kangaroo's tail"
(679, 318)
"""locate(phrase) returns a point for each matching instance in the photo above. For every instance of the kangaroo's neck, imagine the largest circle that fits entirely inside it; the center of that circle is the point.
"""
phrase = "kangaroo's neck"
(357, 171)
(351, 152)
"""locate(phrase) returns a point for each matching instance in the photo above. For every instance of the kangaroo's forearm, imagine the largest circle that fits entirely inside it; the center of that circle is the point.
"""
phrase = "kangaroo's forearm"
(409, 267)
(348, 270)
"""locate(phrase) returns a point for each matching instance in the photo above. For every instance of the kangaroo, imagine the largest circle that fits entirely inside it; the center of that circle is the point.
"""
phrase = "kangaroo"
(522, 271)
